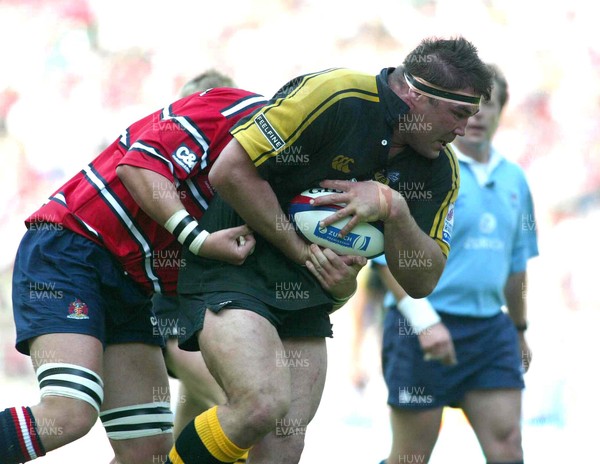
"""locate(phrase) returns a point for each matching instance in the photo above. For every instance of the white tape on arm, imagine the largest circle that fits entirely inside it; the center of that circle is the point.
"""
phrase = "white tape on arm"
(187, 230)
(175, 219)
(198, 241)
(419, 313)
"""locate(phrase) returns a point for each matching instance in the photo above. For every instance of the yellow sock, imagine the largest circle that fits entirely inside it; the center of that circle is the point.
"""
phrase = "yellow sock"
(217, 443)
(203, 440)
(243, 458)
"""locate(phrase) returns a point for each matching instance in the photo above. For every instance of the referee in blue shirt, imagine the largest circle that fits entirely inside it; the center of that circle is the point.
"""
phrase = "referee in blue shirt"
(458, 347)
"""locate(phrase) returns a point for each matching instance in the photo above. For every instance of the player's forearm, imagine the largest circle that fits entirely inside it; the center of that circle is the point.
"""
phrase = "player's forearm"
(157, 196)
(414, 259)
(239, 184)
(256, 203)
(515, 292)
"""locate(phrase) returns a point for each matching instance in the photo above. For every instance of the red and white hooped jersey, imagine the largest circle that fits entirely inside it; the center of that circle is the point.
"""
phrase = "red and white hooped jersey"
(180, 142)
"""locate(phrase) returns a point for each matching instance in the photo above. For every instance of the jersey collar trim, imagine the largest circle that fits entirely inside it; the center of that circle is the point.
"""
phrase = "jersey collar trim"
(394, 105)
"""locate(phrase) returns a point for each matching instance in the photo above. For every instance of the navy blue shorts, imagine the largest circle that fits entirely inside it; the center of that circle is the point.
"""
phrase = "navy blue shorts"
(170, 321)
(487, 350)
(308, 322)
(65, 283)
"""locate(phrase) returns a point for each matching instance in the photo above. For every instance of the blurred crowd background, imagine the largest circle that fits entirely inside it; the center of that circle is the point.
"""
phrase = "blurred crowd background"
(75, 73)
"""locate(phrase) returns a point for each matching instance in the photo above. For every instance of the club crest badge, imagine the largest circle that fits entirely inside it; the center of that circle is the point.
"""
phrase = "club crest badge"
(78, 310)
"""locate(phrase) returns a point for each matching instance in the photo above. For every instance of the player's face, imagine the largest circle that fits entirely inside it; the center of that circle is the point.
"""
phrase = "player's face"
(440, 123)
(481, 127)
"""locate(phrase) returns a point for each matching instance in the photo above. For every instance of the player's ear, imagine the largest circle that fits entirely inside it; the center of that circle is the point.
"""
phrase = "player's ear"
(413, 98)
(416, 96)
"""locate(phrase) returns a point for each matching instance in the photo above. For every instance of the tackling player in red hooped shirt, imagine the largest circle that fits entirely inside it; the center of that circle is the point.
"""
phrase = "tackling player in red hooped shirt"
(88, 265)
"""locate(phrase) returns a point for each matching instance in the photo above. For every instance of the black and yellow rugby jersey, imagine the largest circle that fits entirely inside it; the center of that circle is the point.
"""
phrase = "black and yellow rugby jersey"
(336, 124)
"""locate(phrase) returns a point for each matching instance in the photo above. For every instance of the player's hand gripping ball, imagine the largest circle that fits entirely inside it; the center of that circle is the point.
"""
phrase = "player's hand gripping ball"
(366, 239)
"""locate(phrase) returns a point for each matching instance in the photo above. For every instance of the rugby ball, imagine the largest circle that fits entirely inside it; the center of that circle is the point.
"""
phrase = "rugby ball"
(366, 239)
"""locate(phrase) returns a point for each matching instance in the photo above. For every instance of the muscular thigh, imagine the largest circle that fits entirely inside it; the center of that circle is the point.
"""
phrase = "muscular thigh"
(239, 348)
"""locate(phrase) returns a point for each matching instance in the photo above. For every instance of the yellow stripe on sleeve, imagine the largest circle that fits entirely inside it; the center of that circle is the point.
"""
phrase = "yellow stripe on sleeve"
(437, 229)
(281, 123)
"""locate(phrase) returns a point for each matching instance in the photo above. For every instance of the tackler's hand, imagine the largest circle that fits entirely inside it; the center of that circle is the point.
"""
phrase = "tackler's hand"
(232, 245)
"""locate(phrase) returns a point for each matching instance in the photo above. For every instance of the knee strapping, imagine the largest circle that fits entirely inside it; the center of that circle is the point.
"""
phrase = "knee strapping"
(71, 381)
(140, 420)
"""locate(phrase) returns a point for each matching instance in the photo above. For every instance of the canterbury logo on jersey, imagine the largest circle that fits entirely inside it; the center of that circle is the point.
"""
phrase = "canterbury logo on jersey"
(342, 163)
(185, 158)
(269, 131)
